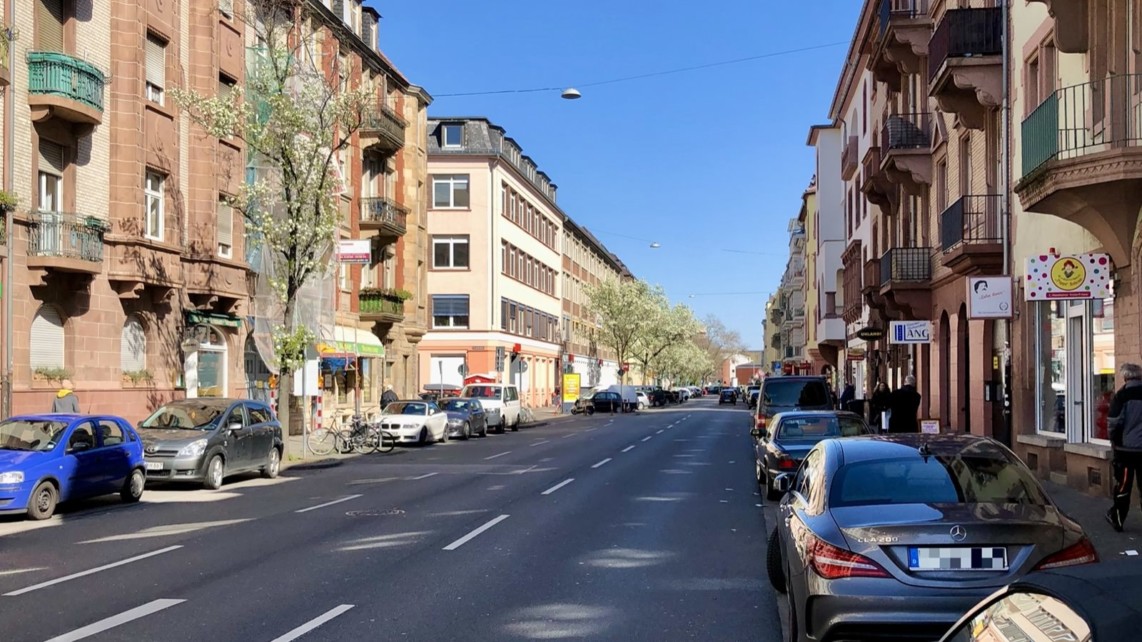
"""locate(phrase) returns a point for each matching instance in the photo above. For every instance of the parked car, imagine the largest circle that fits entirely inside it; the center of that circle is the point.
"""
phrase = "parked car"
(783, 444)
(751, 395)
(1080, 603)
(606, 401)
(466, 417)
(415, 421)
(500, 401)
(781, 394)
(658, 397)
(205, 440)
(899, 535)
(51, 458)
(643, 400)
(728, 395)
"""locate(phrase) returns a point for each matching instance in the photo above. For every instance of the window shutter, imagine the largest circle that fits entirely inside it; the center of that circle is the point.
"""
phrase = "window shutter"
(339, 9)
(133, 347)
(49, 25)
(47, 339)
(51, 157)
(225, 224)
(156, 61)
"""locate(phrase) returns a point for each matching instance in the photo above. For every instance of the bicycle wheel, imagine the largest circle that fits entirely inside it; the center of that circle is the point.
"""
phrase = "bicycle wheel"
(362, 441)
(386, 441)
(322, 442)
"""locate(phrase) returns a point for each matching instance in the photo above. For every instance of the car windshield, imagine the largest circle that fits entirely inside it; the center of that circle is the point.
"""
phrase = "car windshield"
(795, 393)
(186, 415)
(959, 479)
(20, 434)
(814, 429)
(484, 392)
(406, 408)
(456, 404)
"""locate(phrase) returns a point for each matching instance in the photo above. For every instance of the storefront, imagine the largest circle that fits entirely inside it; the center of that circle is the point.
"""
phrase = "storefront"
(351, 368)
(206, 353)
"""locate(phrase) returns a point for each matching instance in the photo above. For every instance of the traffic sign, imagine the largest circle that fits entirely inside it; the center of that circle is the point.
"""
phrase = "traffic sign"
(462, 369)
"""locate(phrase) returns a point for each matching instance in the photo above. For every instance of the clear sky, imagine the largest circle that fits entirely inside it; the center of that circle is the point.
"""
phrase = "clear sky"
(711, 164)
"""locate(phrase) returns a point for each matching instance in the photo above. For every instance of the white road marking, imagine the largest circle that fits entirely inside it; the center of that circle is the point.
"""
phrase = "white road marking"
(601, 463)
(105, 567)
(379, 480)
(163, 531)
(647, 438)
(659, 432)
(627, 449)
(729, 489)
(499, 455)
(540, 443)
(336, 501)
(126, 616)
(558, 486)
(590, 429)
(17, 571)
(1131, 553)
(314, 623)
(569, 436)
(470, 536)
(724, 501)
(424, 476)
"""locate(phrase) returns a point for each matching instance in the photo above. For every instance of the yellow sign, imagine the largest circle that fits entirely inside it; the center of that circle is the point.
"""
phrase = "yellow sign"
(570, 387)
(1068, 274)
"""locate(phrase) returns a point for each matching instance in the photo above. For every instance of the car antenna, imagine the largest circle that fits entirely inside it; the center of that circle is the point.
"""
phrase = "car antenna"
(925, 451)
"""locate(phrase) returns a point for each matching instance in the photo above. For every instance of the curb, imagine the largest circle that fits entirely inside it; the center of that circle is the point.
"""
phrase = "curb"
(320, 464)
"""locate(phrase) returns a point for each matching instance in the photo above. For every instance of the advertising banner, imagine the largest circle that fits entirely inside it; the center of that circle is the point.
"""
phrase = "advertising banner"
(989, 297)
(570, 387)
(1054, 277)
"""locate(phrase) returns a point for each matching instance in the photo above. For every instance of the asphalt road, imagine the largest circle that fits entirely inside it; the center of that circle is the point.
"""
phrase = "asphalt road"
(626, 527)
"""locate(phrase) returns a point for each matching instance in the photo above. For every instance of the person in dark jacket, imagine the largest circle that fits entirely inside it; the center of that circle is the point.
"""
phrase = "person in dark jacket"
(847, 395)
(880, 403)
(1126, 440)
(388, 396)
(905, 404)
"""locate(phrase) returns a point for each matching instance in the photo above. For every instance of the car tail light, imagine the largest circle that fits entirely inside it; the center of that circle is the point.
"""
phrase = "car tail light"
(834, 563)
(761, 419)
(1080, 553)
(785, 462)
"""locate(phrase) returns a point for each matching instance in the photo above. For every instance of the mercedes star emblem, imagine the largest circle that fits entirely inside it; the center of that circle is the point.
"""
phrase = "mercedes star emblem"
(958, 533)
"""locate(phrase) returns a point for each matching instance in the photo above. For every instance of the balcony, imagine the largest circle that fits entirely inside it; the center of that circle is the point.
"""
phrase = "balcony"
(380, 307)
(906, 151)
(61, 86)
(849, 160)
(383, 129)
(971, 234)
(906, 281)
(901, 40)
(65, 242)
(1082, 159)
(1071, 20)
(876, 187)
(383, 216)
(965, 64)
(854, 302)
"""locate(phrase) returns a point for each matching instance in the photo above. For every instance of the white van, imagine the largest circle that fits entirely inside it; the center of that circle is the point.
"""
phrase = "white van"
(500, 401)
(629, 395)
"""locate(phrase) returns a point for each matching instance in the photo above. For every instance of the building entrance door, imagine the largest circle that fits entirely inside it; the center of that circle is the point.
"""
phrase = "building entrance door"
(1077, 410)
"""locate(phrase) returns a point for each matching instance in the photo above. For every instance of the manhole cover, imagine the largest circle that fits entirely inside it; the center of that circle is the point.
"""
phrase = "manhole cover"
(375, 513)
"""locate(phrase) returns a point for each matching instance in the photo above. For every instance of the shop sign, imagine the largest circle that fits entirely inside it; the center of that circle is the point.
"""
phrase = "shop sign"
(870, 333)
(1069, 276)
(855, 354)
(910, 332)
(989, 297)
(570, 387)
(355, 251)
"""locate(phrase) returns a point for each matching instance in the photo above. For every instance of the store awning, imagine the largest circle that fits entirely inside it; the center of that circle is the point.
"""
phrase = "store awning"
(213, 318)
(351, 342)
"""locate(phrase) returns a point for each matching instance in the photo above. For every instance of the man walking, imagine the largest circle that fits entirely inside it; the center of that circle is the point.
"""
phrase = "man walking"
(66, 402)
(388, 396)
(905, 404)
(1126, 439)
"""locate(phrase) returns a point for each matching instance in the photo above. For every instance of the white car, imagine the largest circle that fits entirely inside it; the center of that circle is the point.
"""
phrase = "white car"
(418, 422)
(643, 401)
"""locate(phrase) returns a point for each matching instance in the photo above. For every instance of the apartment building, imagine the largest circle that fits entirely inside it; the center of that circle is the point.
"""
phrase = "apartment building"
(587, 262)
(827, 248)
(773, 352)
(494, 281)
(792, 295)
(125, 271)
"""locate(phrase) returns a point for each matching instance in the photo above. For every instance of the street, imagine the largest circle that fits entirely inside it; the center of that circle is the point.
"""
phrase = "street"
(638, 527)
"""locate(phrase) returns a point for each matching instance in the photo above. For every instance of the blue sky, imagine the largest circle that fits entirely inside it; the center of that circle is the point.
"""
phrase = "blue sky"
(709, 163)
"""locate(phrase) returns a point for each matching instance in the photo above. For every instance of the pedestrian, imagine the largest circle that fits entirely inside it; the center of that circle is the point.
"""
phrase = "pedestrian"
(880, 403)
(388, 396)
(905, 404)
(66, 402)
(1126, 442)
(847, 395)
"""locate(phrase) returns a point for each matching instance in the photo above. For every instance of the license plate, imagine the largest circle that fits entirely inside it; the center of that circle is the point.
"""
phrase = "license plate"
(154, 465)
(957, 558)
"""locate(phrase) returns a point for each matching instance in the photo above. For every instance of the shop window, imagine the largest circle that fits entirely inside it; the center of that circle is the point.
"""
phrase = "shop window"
(1051, 360)
(1102, 365)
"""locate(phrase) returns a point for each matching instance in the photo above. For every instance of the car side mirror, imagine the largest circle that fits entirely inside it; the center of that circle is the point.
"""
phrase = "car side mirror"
(234, 427)
(784, 483)
(755, 433)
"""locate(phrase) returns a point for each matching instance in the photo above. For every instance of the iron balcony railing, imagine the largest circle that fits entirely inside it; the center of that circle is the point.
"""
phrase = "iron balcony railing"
(906, 9)
(1084, 119)
(906, 264)
(378, 209)
(385, 122)
(965, 33)
(906, 131)
(66, 235)
(972, 220)
(51, 73)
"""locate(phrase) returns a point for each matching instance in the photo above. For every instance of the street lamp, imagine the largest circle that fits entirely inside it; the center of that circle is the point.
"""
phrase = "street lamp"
(571, 94)
(655, 245)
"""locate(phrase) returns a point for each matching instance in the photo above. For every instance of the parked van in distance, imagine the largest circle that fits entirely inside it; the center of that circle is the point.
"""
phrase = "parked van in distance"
(500, 401)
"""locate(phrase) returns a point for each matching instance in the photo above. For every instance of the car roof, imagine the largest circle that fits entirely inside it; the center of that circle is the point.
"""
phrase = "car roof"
(1105, 593)
(896, 446)
(59, 416)
(815, 413)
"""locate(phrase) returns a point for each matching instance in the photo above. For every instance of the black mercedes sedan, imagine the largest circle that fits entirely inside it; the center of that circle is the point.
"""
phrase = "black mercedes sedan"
(789, 436)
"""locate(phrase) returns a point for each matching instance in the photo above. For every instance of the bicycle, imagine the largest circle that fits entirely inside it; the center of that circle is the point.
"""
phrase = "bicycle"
(357, 435)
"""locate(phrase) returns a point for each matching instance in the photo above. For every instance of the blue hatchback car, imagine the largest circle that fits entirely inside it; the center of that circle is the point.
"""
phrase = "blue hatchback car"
(50, 458)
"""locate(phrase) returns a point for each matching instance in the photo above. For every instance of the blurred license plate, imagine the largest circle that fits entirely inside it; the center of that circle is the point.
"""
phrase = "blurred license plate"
(154, 465)
(957, 558)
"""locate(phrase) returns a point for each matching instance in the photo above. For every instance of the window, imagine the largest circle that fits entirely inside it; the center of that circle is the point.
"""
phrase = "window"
(450, 311)
(133, 346)
(51, 176)
(110, 434)
(450, 191)
(47, 339)
(49, 25)
(451, 135)
(156, 68)
(153, 190)
(226, 7)
(449, 252)
(225, 87)
(225, 230)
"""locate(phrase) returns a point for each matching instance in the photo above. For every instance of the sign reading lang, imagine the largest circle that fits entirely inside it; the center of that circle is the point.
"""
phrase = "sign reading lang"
(910, 332)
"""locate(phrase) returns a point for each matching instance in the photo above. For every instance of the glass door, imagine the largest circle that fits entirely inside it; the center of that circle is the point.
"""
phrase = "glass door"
(51, 222)
(1077, 409)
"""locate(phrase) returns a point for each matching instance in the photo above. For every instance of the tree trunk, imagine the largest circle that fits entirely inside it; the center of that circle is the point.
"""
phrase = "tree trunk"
(285, 390)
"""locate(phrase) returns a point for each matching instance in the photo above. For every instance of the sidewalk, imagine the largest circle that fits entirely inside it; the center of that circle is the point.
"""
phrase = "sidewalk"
(1090, 511)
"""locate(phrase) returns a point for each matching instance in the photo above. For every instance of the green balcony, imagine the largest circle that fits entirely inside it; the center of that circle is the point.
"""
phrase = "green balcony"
(64, 87)
(380, 306)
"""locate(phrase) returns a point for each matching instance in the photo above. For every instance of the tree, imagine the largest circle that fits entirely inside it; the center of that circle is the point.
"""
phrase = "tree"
(685, 362)
(294, 119)
(624, 310)
(668, 327)
(718, 342)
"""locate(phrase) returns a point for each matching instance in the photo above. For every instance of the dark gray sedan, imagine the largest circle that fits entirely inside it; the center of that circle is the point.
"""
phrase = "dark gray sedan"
(466, 417)
(789, 436)
(900, 535)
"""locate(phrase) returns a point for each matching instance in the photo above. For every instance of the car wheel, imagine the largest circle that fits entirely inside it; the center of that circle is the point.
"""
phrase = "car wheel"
(467, 432)
(758, 473)
(794, 634)
(215, 473)
(770, 492)
(515, 425)
(423, 439)
(773, 564)
(132, 490)
(42, 503)
(273, 464)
